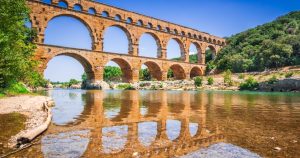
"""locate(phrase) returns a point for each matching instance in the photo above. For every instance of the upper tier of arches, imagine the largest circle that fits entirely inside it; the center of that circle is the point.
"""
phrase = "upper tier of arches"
(133, 24)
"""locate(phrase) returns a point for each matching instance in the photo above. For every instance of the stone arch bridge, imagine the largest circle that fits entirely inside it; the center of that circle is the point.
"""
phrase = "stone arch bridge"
(97, 17)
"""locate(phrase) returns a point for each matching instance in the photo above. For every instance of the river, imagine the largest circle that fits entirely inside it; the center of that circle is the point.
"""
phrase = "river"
(168, 123)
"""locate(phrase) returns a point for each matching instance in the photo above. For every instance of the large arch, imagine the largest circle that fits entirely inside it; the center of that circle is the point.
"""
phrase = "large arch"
(176, 45)
(126, 68)
(146, 48)
(210, 53)
(195, 47)
(154, 69)
(112, 34)
(87, 66)
(178, 72)
(196, 71)
(55, 37)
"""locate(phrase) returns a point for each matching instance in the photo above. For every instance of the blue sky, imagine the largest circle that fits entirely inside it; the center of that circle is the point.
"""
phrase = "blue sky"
(218, 17)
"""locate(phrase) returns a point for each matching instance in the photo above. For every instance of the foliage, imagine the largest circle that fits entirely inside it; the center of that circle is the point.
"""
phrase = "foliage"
(84, 77)
(126, 86)
(14, 89)
(210, 81)
(241, 76)
(227, 77)
(289, 74)
(249, 84)
(170, 73)
(145, 75)
(17, 50)
(271, 45)
(73, 82)
(272, 80)
(112, 73)
(198, 81)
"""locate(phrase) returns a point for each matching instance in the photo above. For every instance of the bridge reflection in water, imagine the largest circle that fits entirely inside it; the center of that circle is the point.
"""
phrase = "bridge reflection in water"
(131, 123)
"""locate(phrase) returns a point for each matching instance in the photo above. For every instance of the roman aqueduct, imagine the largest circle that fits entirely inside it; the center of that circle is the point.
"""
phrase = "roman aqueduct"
(97, 17)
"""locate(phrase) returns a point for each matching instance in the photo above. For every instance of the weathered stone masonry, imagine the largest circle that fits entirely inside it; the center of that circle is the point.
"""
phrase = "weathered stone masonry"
(134, 25)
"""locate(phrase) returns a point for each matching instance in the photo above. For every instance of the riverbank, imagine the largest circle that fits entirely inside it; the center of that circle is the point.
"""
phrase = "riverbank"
(36, 109)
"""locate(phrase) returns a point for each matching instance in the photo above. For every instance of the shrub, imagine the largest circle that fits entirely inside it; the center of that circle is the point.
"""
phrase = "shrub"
(198, 81)
(272, 80)
(210, 81)
(125, 87)
(14, 89)
(241, 76)
(289, 74)
(249, 84)
(227, 78)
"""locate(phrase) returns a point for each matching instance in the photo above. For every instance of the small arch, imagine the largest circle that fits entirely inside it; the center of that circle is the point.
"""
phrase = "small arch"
(150, 25)
(182, 33)
(118, 17)
(223, 43)
(92, 11)
(219, 42)
(63, 4)
(195, 36)
(214, 41)
(154, 70)
(77, 7)
(175, 31)
(140, 23)
(210, 53)
(209, 40)
(200, 37)
(195, 71)
(189, 35)
(205, 39)
(178, 72)
(105, 14)
(125, 68)
(129, 20)
(159, 28)
(168, 29)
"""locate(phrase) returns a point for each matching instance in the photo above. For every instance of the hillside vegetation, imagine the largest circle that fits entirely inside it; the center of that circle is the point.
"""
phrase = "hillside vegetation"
(272, 45)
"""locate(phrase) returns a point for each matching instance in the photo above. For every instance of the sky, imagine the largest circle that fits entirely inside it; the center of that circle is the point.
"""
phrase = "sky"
(218, 17)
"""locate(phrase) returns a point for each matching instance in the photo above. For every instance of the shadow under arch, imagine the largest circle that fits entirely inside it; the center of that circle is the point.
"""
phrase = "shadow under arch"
(213, 49)
(126, 68)
(179, 73)
(154, 69)
(157, 41)
(127, 33)
(196, 71)
(87, 26)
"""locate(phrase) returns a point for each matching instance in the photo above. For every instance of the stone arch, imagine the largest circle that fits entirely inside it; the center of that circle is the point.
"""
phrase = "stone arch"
(92, 11)
(157, 41)
(77, 7)
(155, 70)
(178, 71)
(85, 23)
(84, 61)
(196, 71)
(199, 51)
(105, 14)
(129, 20)
(126, 69)
(127, 33)
(118, 17)
(214, 50)
(63, 4)
(181, 46)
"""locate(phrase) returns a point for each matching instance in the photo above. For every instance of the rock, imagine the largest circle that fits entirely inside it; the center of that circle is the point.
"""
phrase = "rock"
(135, 154)
(277, 148)
(96, 85)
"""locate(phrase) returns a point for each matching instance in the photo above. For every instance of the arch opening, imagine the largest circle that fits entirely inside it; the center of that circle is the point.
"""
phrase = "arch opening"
(194, 53)
(210, 54)
(129, 20)
(47, 1)
(68, 66)
(175, 50)
(149, 46)
(118, 17)
(150, 71)
(117, 34)
(76, 35)
(77, 7)
(63, 4)
(195, 71)
(105, 14)
(117, 70)
(92, 11)
(176, 72)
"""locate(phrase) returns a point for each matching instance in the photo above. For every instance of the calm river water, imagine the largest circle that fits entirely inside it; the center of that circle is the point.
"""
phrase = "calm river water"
(168, 123)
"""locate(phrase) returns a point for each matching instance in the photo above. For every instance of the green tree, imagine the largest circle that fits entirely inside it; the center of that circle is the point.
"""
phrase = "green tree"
(112, 73)
(210, 81)
(227, 77)
(198, 81)
(145, 75)
(16, 48)
(73, 82)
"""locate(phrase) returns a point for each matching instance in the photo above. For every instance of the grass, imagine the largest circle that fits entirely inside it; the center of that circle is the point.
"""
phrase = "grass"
(14, 89)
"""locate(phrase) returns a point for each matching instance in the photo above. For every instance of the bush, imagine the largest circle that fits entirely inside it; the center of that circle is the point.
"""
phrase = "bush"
(125, 87)
(14, 89)
(272, 80)
(289, 74)
(249, 84)
(210, 81)
(227, 78)
(198, 81)
(241, 76)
